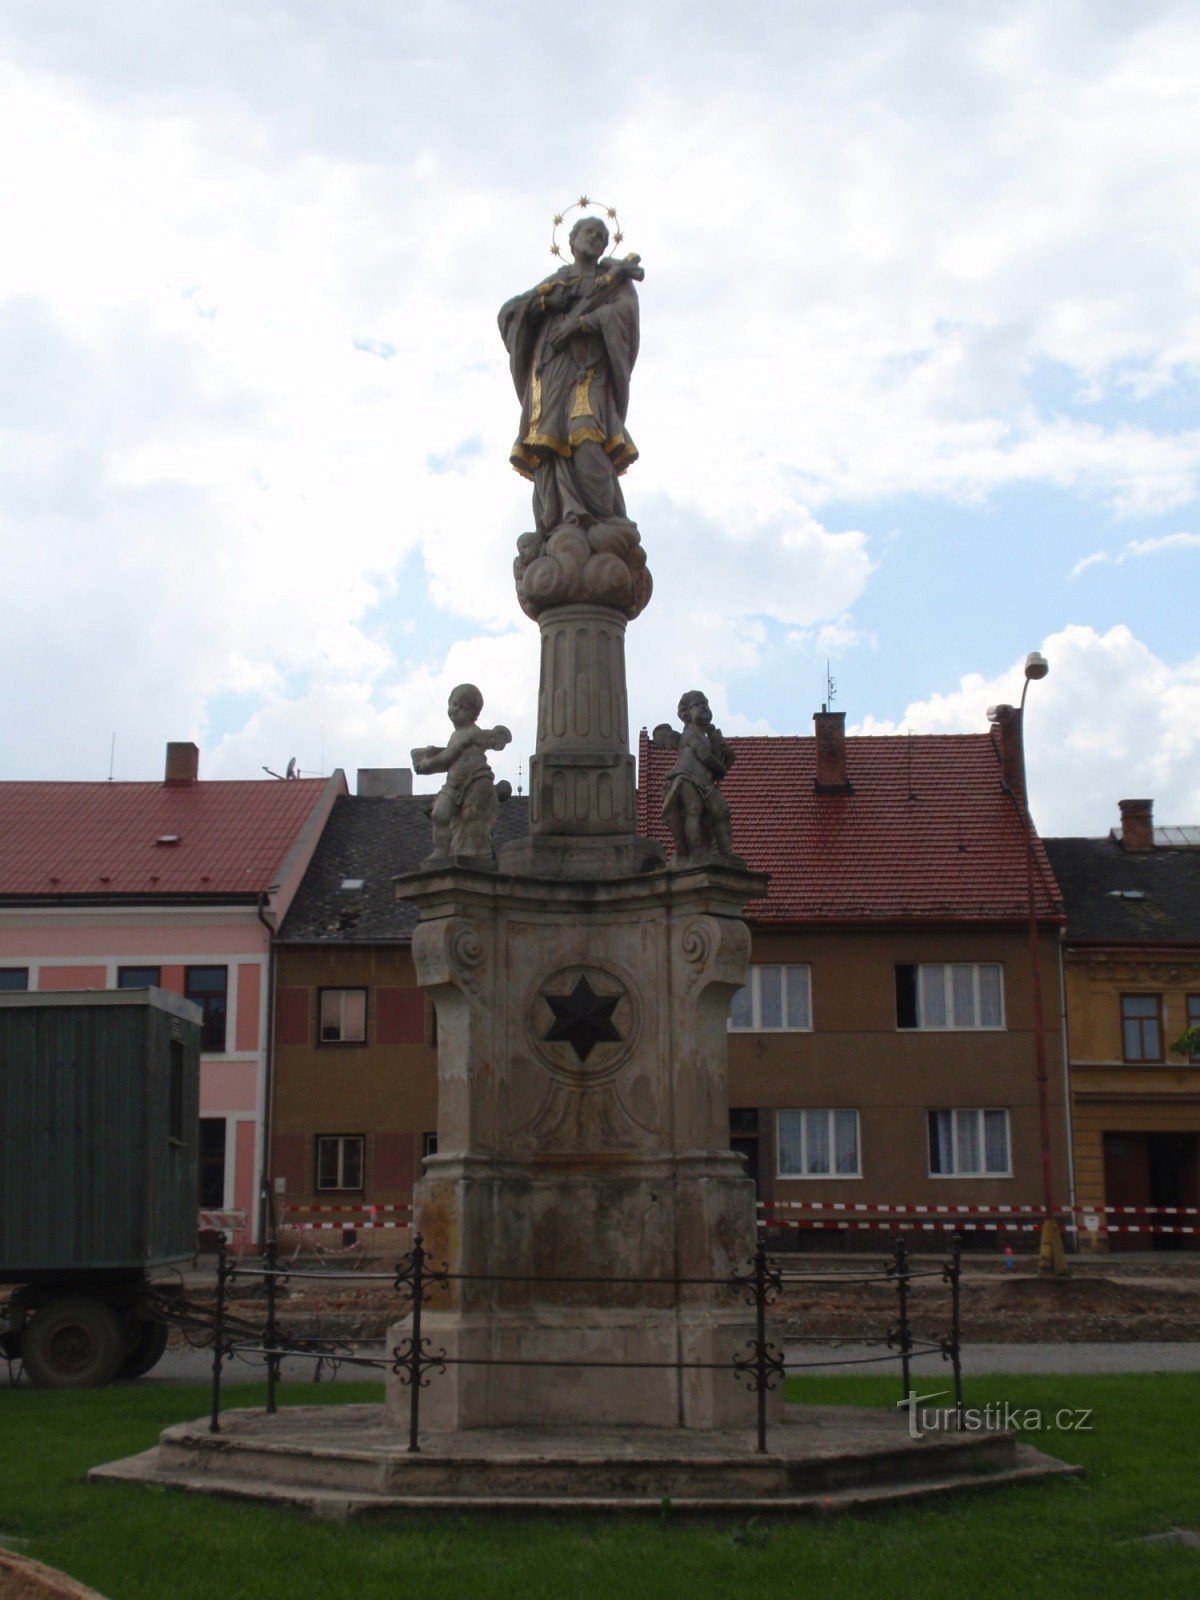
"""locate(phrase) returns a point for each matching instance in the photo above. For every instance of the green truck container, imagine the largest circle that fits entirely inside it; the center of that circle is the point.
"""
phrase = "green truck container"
(99, 1118)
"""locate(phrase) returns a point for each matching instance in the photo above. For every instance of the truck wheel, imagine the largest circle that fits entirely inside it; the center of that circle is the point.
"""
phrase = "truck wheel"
(149, 1340)
(72, 1343)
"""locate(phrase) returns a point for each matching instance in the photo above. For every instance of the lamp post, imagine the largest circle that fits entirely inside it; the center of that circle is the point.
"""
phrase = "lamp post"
(1052, 1257)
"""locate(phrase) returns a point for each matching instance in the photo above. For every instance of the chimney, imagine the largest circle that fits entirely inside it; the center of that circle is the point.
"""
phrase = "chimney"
(1006, 730)
(384, 783)
(183, 763)
(1137, 825)
(830, 727)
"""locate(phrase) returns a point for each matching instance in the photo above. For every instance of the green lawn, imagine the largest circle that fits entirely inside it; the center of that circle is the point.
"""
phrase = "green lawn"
(1057, 1539)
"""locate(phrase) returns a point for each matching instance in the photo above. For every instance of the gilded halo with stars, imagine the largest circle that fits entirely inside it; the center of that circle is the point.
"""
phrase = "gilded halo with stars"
(584, 203)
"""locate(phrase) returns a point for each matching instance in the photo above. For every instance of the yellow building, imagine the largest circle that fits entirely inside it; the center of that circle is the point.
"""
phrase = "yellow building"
(1131, 964)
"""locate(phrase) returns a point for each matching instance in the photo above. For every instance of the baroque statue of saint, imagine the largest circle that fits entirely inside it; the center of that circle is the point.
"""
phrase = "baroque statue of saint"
(572, 341)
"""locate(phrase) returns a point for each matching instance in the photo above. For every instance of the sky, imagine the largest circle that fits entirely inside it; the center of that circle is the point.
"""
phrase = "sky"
(918, 392)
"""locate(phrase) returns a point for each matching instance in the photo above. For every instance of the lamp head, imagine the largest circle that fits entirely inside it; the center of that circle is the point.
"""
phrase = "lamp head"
(1036, 666)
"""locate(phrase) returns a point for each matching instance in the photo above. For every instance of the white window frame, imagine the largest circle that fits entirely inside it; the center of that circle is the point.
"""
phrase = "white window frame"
(342, 992)
(754, 985)
(952, 1024)
(342, 1140)
(805, 1113)
(978, 1112)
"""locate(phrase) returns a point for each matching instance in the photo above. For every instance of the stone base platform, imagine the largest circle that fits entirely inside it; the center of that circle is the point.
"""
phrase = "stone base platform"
(346, 1461)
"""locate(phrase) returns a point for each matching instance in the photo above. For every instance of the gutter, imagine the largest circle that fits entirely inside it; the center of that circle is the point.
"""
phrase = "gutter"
(266, 1208)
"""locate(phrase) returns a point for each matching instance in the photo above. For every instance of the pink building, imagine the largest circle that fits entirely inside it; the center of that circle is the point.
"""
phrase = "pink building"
(179, 884)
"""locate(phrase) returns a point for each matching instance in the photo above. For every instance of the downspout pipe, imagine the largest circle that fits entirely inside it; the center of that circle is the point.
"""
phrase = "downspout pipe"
(266, 1206)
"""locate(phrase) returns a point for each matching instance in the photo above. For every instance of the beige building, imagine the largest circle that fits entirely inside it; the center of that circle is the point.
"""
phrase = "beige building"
(882, 1053)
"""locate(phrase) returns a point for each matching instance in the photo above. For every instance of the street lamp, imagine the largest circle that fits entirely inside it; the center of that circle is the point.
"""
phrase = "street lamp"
(1052, 1257)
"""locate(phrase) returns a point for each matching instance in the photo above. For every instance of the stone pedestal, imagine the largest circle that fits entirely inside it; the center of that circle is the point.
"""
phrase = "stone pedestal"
(583, 1133)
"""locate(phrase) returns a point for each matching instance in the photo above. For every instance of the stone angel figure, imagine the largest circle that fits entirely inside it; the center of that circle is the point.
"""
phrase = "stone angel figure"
(464, 809)
(693, 807)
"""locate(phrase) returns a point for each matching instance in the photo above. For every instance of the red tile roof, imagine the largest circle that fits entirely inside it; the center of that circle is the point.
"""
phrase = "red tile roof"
(928, 832)
(61, 839)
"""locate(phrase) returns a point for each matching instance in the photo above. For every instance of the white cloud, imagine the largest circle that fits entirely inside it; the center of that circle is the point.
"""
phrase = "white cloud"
(256, 413)
(1132, 549)
(1111, 720)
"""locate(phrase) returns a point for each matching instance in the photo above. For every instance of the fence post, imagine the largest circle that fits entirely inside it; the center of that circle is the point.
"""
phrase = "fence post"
(952, 1272)
(763, 1364)
(903, 1332)
(214, 1425)
(760, 1335)
(414, 1378)
(270, 1259)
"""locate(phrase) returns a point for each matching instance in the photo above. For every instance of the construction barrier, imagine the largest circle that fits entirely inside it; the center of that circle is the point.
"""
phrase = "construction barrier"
(799, 1215)
(311, 1218)
(1098, 1219)
(821, 1215)
(221, 1221)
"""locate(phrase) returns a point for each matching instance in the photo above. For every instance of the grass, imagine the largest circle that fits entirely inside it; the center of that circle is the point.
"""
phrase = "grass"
(1060, 1539)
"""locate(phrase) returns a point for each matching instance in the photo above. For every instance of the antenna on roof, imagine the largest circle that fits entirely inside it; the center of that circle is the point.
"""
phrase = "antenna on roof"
(520, 769)
(292, 770)
(112, 756)
(830, 688)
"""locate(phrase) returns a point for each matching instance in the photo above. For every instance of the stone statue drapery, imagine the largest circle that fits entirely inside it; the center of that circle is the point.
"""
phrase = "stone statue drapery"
(572, 342)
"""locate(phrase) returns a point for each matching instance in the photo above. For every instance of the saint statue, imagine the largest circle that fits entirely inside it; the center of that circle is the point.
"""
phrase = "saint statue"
(572, 342)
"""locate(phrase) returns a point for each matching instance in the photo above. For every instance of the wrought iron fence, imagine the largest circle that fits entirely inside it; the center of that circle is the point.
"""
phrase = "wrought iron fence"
(761, 1365)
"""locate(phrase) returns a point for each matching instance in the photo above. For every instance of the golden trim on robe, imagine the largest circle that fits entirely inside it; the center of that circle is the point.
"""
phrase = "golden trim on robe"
(583, 399)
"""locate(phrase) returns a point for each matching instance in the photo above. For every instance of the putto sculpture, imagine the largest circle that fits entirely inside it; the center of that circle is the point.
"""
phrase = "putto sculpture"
(693, 807)
(572, 342)
(464, 809)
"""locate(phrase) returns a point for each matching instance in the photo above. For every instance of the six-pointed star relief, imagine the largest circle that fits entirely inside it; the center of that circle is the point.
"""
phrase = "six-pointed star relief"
(582, 1018)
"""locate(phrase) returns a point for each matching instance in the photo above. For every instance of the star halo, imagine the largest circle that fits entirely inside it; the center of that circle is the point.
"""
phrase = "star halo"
(585, 203)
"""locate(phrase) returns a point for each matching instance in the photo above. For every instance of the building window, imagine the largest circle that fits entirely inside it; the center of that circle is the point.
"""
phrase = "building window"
(950, 995)
(969, 1144)
(818, 1144)
(13, 979)
(208, 987)
(1141, 1027)
(1193, 1020)
(139, 977)
(773, 998)
(343, 1014)
(339, 1161)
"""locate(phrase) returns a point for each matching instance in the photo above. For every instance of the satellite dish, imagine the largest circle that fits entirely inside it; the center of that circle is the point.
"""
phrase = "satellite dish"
(291, 769)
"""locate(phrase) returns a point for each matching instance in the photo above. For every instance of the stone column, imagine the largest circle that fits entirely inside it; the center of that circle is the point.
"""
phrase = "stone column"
(582, 811)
